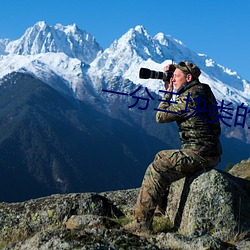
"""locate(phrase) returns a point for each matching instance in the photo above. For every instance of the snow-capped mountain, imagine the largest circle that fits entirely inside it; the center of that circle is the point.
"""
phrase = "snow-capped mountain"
(55, 138)
(50, 54)
(137, 49)
(70, 40)
(71, 61)
(64, 73)
(74, 56)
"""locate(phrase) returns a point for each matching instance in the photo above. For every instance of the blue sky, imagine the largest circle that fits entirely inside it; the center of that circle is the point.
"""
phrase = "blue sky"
(218, 28)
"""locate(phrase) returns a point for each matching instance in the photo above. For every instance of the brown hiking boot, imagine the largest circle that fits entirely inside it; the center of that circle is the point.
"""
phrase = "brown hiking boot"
(139, 227)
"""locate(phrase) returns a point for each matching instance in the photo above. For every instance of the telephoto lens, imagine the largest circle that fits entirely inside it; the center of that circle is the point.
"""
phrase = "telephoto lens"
(145, 73)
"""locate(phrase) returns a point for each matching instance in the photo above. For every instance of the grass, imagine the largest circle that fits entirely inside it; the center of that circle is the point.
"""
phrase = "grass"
(123, 220)
(160, 223)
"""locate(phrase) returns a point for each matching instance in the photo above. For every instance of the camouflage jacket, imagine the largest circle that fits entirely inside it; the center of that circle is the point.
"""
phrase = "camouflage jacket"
(195, 112)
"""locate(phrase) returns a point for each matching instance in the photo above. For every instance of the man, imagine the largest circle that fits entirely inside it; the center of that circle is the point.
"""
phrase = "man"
(196, 115)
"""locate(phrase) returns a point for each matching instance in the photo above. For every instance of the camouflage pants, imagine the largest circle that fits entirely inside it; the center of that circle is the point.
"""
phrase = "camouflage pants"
(167, 167)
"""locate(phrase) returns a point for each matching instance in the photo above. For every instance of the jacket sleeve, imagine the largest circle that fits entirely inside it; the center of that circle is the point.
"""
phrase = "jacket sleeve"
(169, 110)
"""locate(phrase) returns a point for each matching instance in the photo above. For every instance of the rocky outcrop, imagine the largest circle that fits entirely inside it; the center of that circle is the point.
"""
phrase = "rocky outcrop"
(209, 210)
(211, 202)
(241, 169)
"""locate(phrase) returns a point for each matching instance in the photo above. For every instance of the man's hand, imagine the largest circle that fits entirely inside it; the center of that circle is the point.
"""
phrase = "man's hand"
(168, 85)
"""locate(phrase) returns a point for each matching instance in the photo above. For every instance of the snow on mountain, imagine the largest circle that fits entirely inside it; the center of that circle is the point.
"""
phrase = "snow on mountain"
(137, 49)
(57, 55)
(124, 56)
(3, 43)
(73, 56)
(63, 73)
(41, 38)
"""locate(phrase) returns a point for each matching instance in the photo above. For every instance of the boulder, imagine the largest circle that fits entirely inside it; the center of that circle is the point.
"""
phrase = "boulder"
(19, 221)
(210, 202)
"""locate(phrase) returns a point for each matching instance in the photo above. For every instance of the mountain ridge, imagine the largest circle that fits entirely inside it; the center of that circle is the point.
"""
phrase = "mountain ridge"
(42, 38)
(120, 63)
(55, 144)
(135, 49)
(45, 137)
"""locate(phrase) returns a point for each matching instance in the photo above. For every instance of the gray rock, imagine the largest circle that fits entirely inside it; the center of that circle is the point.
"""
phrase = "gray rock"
(212, 202)
(209, 210)
(178, 241)
(241, 169)
(20, 220)
(124, 199)
(90, 221)
(63, 239)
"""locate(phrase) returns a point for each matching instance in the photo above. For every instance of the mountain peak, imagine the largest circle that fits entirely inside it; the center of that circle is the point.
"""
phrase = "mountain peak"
(69, 28)
(169, 41)
(41, 24)
(140, 29)
(42, 38)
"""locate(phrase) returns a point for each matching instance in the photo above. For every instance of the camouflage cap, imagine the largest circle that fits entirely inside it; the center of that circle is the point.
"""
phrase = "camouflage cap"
(189, 68)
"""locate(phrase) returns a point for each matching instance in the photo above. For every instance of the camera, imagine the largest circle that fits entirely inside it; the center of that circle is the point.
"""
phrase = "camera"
(145, 73)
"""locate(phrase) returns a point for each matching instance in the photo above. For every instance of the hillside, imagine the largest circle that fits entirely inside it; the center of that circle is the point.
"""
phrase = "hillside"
(50, 143)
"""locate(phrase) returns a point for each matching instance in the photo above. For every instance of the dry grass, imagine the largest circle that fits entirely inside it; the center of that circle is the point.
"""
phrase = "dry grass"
(160, 223)
(238, 237)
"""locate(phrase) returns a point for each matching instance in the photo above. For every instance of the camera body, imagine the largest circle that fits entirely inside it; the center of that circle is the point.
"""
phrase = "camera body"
(146, 73)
